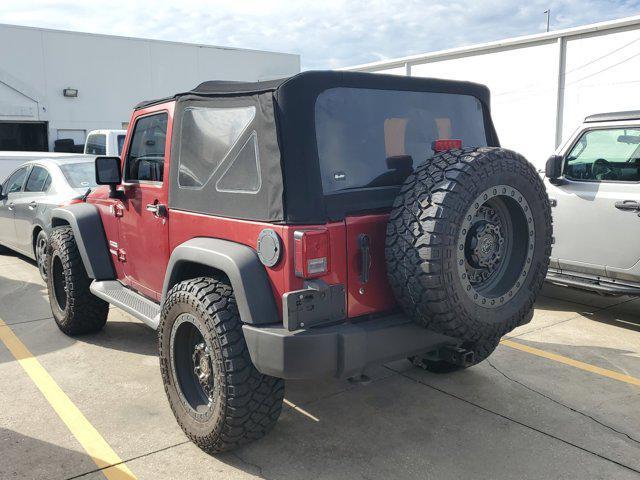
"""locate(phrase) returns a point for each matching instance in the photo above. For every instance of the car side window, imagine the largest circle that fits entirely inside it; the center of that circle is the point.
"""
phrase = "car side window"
(97, 144)
(37, 181)
(145, 158)
(16, 181)
(121, 139)
(608, 154)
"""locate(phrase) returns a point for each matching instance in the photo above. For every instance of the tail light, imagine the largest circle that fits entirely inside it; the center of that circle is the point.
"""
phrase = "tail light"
(311, 253)
(443, 145)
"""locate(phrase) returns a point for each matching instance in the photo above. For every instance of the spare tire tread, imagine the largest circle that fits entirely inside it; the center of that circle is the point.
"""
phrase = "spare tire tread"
(422, 229)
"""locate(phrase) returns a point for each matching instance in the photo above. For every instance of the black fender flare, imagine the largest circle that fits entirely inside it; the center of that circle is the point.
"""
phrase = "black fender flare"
(88, 231)
(252, 289)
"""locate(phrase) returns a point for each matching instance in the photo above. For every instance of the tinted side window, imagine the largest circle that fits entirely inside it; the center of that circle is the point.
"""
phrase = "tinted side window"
(605, 155)
(47, 183)
(145, 160)
(243, 173)
(206, 138)
(97, 144)
(121, 143)
(16, 181)
(37, 180)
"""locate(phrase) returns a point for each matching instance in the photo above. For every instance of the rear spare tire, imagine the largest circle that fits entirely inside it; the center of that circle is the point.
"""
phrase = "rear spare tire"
(468, 243)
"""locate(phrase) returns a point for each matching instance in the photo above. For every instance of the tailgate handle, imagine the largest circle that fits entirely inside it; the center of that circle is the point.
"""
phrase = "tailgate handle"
(365, 257)
(628, 205)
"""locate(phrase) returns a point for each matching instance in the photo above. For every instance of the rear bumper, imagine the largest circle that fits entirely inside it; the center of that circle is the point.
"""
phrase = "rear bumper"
(337, 351)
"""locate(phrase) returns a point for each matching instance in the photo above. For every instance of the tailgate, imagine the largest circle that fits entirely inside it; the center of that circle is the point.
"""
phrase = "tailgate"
(367, 288)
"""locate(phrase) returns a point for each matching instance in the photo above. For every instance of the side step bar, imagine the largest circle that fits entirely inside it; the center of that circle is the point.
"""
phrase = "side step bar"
(131, 302)
(594, 285)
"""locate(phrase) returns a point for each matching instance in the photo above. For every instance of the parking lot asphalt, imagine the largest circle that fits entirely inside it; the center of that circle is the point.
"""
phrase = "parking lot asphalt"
(560, 398)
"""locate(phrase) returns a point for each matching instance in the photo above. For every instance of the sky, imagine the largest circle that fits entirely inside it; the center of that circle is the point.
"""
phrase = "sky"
(328, 33)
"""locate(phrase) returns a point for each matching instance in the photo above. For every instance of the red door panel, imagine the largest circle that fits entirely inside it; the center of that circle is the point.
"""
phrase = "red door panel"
(374, 295)
(144, 239)
(144, 233)
(109, 209)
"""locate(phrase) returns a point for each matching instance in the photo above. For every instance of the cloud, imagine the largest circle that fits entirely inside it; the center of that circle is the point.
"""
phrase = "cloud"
(327, 34)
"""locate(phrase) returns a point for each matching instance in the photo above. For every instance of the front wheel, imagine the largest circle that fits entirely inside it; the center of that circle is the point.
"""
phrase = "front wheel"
(218, 397)
(75, 309)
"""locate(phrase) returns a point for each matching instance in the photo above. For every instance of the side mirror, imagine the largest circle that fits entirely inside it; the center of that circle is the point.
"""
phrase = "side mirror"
(2, 195)
(108, 172)
(553, 169)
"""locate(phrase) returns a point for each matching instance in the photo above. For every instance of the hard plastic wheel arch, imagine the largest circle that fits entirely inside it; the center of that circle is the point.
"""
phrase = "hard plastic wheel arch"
(84, 219)
(239, 263)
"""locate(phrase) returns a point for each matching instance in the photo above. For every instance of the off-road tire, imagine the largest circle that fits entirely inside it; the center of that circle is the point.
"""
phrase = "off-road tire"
(424, 232)
(245, 404)
(482, 350)
(81, 311)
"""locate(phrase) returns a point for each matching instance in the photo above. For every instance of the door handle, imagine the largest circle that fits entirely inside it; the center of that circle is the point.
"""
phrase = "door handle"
(365, 257)
(158, 209)
(11, 206)
(628, 205)
(32, 205)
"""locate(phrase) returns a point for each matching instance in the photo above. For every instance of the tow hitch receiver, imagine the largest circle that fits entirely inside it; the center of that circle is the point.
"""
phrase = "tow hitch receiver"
(456, 355)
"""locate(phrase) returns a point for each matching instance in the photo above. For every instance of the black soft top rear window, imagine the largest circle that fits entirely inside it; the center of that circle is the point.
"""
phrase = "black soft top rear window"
(373, 137)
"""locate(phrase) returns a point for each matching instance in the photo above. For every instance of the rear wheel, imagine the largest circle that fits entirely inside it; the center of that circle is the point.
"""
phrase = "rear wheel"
(40, 251)
(75, 309)
(217, 396)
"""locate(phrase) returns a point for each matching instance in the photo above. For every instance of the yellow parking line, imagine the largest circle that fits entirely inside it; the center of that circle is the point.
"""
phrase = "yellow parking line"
(96, 446)
(574, 363)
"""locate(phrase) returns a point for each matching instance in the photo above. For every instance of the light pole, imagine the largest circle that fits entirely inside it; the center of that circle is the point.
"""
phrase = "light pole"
(548, 12)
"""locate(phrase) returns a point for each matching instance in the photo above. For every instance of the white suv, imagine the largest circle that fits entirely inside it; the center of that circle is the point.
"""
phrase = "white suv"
(593, 182)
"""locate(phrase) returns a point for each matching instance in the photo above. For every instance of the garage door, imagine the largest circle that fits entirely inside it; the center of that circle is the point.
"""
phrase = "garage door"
(23, 136)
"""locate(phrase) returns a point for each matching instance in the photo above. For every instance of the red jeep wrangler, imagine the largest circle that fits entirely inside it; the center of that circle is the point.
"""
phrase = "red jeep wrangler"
(304, 228)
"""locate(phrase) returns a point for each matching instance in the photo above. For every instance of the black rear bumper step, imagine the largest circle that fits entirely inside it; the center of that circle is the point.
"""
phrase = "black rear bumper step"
(340, 351)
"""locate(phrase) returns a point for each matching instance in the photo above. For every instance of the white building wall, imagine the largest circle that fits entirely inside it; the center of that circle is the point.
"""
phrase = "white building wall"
(602, 74)
(112, 74)
(522, 83)
(542, 86)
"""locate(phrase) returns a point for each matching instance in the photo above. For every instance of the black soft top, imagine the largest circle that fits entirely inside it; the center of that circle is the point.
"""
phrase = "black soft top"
(323, 80)
(284, 126)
